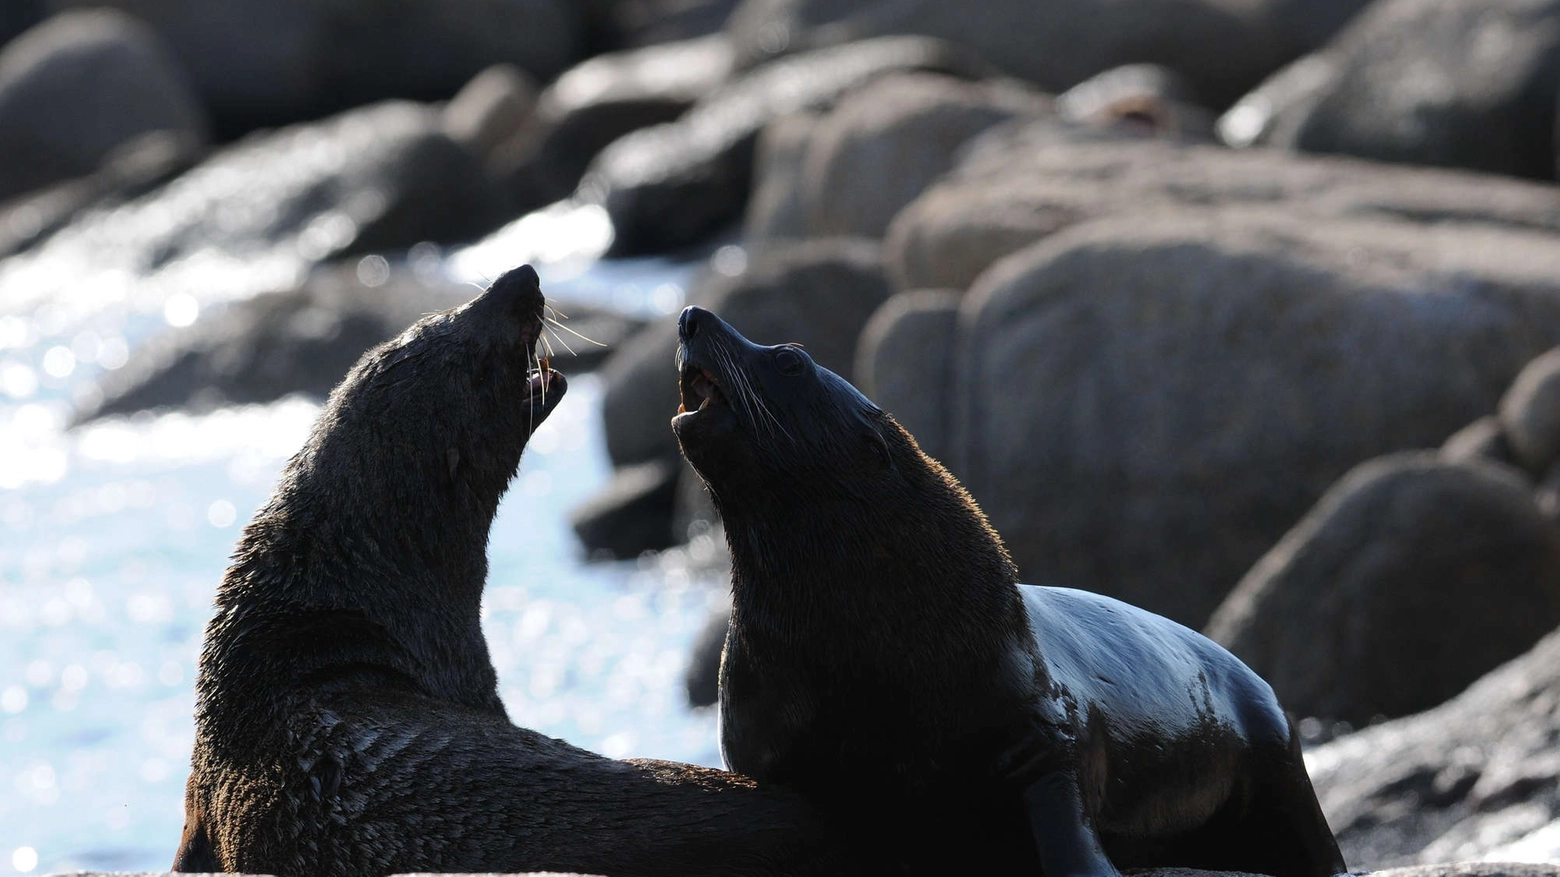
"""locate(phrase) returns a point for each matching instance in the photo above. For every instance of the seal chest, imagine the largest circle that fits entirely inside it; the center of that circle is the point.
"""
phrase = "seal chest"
(884, 659)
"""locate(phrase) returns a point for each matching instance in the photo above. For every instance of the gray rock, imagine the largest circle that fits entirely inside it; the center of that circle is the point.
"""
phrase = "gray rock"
(775, 211)
(599, 101)
(1224, 48)
(903, 363)
(1144, 406)
(1458, 782)
(1020, 184)
(491, 108)
(1482, 439)
(819, 293)
(1439, 82)
(1145, 99)
(1530, 413)
(673, 185)
(887, 141)
(650, 22)
(260, 349)
(632, 514)
(1410, 579)
(1546, 494)
(79, 86)
(260, 63)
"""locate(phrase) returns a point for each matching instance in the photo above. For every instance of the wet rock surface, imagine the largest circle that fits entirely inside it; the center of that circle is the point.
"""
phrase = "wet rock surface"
(80, 86)
(670, 186)
(1410, 579)
(1434, 82)
(1143, 407)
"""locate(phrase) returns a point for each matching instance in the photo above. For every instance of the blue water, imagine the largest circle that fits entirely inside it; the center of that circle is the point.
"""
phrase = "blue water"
(113, 537)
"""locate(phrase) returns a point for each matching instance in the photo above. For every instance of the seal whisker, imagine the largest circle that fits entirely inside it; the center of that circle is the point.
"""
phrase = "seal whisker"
(566, 345)
(575, 334)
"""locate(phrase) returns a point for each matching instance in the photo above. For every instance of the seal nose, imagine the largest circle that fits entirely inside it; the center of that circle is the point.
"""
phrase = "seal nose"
(518, 291)
(688, 323)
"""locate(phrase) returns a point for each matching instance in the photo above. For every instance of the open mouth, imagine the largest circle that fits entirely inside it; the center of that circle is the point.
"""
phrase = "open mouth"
(541, 380)
(700, 389)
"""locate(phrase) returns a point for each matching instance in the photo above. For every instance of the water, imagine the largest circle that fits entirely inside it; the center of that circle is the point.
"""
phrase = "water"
(113, 537)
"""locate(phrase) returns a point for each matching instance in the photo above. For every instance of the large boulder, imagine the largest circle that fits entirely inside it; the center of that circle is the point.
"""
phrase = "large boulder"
(902, 362)
(1530, 414)
(1224, 47)
(1469, 779)
(601, 100)
(673, 185)
(887, 141)
(1020, 184)
(1441, 82)
(632, 514)
(79, 86)
(268, 62)
(1145, 406)
(1411, 578)
(819, 293)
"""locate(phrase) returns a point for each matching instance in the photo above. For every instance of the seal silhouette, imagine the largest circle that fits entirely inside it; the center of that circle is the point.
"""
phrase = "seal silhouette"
(347, 718)
(883, 658)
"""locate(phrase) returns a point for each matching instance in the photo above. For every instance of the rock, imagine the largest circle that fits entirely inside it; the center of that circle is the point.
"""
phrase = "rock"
(903, 360)
(17, 16)
(632, 514)
(1530, 414)
(1458, 782)
(79, 86)
(130, 171)
(703, 676)
(775, 211)
(490, 109)
(672, 185)
(1139, 98)
(262, 63)
(1144, 406)
(1019, 184)
(1223, 48)
(1438, 82)
(261, 349)
(601, 100)
(819, 293)
(650, 22)
(1410, 579)
(1482, 439)
(887, 141)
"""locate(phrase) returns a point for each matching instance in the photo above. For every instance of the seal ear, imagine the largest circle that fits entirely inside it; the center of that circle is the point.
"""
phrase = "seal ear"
(879, 447)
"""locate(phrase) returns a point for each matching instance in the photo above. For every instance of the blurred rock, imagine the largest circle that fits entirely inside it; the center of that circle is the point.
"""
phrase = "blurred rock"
(490, 109)
(819, 293)
(1470, 778)
(673, 185)
(261, 349)
(260, 63)
(632, 514)
(649, 22)
(703, 676)
(903, 361)
(1410, 579)
(1019, 184)
(887, 141)
(77, 87)
(1438, 82)
(1530, 414)
(17, 16)
(599, 101)
(132, 170)
(1144, 406)
(1482, 439)
(775, 211)
(1140, 98)
(1223, 48)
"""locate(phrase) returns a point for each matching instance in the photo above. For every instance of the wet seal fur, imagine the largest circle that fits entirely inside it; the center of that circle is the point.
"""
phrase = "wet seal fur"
(883, 659)
(348, 721)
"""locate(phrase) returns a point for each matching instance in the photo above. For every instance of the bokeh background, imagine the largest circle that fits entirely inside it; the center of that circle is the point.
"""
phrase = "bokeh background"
(1238, 310)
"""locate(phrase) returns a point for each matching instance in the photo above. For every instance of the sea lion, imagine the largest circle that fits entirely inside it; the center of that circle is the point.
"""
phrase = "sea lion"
(884, 660)
(348, 721)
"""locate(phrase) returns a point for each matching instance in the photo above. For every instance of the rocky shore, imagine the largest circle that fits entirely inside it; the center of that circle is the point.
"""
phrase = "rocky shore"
(1248, 314)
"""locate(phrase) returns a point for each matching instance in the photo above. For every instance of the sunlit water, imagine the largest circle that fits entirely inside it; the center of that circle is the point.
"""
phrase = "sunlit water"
(113, 537)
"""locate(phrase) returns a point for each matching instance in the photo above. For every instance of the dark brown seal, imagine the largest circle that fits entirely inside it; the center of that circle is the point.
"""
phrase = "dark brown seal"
(883, 658)
(348, 721)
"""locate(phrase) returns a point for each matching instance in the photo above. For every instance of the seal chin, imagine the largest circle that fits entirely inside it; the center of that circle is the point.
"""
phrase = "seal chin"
(544, 390)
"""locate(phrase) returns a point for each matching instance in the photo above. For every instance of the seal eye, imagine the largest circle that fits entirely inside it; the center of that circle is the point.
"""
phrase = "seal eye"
(788, 361)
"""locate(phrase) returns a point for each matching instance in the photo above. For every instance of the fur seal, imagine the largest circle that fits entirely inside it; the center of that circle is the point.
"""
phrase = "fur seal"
(348, 721)
(884, 659)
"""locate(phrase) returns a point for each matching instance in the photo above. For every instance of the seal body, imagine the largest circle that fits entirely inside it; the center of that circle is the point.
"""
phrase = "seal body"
(883, 659)
(348, 721)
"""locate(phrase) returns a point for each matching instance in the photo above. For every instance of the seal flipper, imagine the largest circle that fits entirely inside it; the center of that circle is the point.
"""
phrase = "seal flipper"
(1068, 844)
